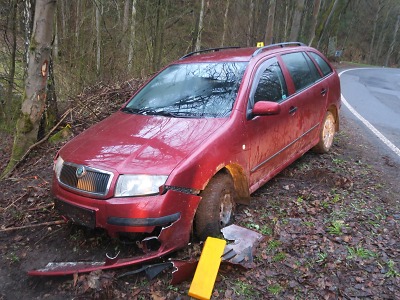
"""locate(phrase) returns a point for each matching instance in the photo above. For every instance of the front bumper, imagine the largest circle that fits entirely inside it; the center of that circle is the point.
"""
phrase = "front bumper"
(167, 218)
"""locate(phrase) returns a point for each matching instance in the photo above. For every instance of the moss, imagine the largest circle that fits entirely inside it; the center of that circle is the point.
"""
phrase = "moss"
(32, 44)
(62, 135)
(24, 124)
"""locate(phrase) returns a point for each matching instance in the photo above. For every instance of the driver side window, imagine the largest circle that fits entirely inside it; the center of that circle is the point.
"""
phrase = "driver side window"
(272, 85)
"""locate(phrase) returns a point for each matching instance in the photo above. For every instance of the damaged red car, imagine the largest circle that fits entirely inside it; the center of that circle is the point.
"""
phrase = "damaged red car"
(197, 139)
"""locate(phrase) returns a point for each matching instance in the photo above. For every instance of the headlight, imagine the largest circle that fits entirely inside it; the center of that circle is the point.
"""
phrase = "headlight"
(139, 185)
(58, 164)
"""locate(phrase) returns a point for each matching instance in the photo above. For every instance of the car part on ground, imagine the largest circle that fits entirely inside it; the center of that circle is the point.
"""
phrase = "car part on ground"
(243, 242)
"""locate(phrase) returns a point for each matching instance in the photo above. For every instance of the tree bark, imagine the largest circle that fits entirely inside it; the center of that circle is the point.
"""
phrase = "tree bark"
(371, 44)
(8, 111)
(250, 26)
(132, 36)
(225, 23)
(391, 47)
(269, 38)
(98, 37)
(294, 32)
(317, 7)
(125, 22)
(327, 22)
(35, 83)
(201, 19)
(383, 33)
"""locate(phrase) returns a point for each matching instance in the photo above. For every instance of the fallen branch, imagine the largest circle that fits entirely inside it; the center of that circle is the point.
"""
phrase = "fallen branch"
(13, 203)
(41, 207)
(34, 225)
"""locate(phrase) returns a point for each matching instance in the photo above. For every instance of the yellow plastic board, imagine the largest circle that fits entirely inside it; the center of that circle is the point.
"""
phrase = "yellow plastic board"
(207, 269)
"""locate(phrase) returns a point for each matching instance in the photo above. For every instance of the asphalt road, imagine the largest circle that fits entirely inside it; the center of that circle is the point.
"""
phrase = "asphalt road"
(371, 96)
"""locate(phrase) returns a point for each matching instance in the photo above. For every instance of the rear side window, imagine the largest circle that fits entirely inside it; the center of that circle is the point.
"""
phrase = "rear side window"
(301, 69)
(323, 65)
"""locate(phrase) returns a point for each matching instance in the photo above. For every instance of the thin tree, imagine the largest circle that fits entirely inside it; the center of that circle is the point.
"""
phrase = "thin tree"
(294, 32)
(98, 36)
(200, 30)
(34, 100)
(269, 38)
(250, 26)
(391, 47)
(376, 18)
(225, 23)
(132, 36)
(7, 113)
(317, 7)
(325, 26)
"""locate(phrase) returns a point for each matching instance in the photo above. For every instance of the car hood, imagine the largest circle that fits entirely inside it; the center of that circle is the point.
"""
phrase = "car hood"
(139, 144)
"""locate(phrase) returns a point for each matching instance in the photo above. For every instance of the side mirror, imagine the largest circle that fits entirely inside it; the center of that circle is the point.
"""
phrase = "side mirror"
(266, 108)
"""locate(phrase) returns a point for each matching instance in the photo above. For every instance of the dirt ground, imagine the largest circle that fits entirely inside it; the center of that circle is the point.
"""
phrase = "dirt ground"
(331, 225)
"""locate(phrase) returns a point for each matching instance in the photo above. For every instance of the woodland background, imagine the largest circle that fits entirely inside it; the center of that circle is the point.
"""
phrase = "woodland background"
(113, 41)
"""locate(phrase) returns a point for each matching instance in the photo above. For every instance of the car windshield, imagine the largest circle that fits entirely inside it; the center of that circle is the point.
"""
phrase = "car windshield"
(196, 90)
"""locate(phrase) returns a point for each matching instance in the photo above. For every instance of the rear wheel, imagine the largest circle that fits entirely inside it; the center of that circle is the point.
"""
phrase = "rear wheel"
(327, 133)
(216, 208)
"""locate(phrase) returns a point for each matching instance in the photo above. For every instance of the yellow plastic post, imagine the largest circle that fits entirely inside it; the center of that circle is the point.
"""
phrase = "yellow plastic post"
(207, 269)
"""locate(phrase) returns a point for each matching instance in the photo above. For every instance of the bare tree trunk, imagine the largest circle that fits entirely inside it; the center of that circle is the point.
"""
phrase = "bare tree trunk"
(125, 22)
(78, 22)
(49, 117)
(294, 32)
(371, 44)
(250, 27)
(132, 36)
(7, 113)
(225, 23)
(201, 19)
(391, 47)
(98, 37)
(317, 7)
(157, 46)
(383, 33)
(327, 22)
(269, 36)
(35, 83)
(28, 25)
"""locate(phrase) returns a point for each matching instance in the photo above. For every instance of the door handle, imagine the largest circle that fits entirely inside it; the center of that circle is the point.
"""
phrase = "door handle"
(323, 91)
(292, 110)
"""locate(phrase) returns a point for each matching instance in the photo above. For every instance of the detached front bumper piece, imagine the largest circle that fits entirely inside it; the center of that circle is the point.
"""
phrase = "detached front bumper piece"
(173, 236)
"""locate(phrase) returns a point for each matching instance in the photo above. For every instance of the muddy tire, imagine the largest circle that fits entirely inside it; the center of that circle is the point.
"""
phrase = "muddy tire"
(216, 208)
(326, 134)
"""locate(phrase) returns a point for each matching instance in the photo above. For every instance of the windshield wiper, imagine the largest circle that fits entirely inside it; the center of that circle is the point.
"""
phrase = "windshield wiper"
(154, 112)
(138, 111)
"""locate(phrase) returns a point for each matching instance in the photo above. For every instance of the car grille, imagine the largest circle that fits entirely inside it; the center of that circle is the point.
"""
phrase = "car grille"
(94, 181)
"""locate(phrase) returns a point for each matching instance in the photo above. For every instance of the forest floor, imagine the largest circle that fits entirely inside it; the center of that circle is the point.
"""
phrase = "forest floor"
(331, 224)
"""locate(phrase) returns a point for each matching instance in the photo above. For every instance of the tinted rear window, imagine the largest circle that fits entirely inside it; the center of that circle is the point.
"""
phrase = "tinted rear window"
(301, 69)
(323, 65)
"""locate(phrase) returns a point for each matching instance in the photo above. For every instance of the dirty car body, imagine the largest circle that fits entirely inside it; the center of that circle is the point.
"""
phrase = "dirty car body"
(198, 138)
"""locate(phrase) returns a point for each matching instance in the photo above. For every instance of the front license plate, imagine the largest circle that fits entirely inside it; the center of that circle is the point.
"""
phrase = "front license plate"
(79, 215)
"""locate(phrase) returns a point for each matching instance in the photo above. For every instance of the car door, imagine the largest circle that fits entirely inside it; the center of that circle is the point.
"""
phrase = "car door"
(271, 137)
(310, 95)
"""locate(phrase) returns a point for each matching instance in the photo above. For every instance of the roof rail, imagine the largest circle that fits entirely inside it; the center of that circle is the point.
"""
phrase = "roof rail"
(259, 50)
(207, 50)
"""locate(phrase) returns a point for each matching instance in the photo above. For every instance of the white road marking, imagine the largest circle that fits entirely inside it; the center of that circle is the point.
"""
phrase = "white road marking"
(368, 124)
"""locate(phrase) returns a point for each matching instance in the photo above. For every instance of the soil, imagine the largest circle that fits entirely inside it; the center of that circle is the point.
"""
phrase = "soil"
(331, 224)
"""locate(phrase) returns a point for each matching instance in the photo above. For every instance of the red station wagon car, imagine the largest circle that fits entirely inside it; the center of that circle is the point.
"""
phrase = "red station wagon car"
(200, 137)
